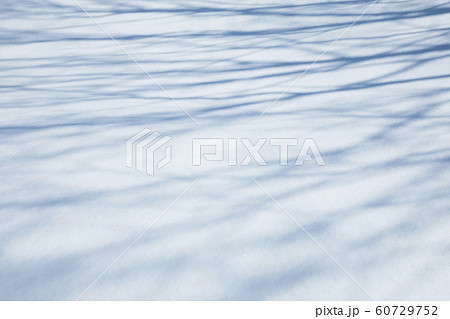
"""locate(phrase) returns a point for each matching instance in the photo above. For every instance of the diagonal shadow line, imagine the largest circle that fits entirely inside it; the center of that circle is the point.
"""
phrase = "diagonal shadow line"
(136, 62)
(314, 240)
(137, 239)
(314, 62)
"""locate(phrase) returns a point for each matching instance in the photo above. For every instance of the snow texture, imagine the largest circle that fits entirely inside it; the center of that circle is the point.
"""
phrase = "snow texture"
(377, 105)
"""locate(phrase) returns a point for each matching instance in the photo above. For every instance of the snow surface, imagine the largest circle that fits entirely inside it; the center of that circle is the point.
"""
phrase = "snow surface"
(377, 105)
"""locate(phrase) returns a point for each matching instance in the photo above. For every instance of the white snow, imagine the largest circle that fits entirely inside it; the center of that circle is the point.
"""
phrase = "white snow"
(376, 104)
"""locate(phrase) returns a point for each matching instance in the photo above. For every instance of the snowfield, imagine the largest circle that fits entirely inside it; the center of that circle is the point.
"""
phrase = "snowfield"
(373, 223)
